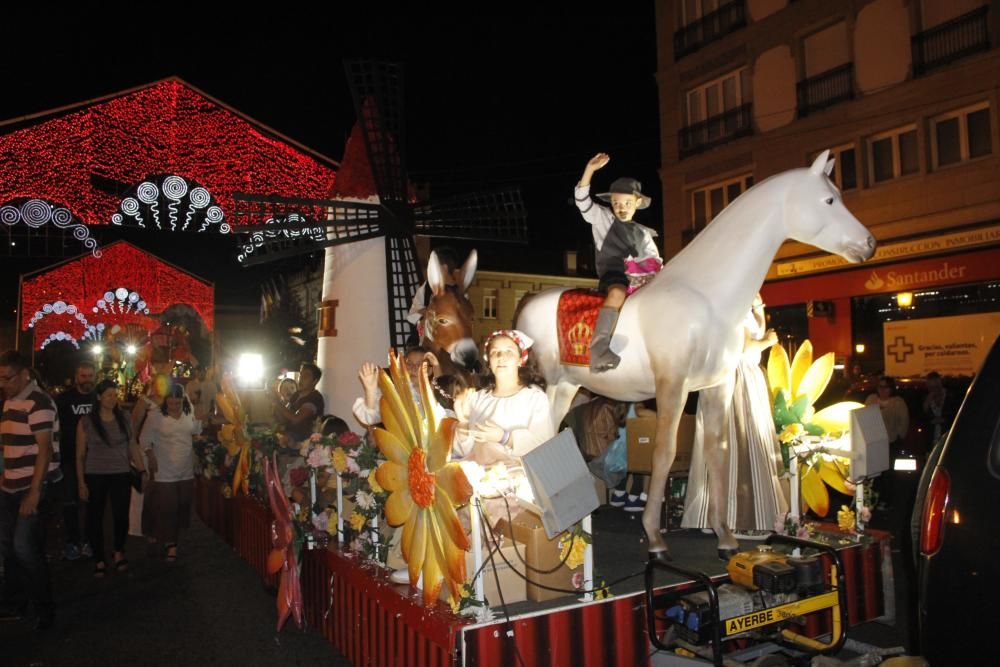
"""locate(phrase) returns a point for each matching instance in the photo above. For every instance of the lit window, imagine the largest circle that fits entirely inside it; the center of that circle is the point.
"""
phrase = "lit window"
(961, 135)
(845, 166)
(893, 154)
(726, 93)
(708, 202)
(489, 304)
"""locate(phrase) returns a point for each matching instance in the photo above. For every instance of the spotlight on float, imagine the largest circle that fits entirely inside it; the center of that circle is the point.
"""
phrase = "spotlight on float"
(860, 348)
(131, 349)
(98, 350)
(904, 299)
(250, 368)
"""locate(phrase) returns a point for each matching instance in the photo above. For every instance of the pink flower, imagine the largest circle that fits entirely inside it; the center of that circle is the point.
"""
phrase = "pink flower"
(577, 580)
(319, 457)
(320, 521)
(315, 437)
(802, 532)
(352, 465)
(298, 476)
(779, 523)
(866, 514)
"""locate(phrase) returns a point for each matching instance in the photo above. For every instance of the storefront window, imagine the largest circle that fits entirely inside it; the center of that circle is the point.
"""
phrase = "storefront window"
(869, 313)
(790, 323)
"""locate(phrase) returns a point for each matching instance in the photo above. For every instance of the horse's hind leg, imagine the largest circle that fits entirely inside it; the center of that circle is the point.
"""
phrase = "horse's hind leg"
(670, 397)
(716, 404)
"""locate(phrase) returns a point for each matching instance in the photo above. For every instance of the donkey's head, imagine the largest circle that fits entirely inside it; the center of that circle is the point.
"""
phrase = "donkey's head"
(815, 214)
(448, 317)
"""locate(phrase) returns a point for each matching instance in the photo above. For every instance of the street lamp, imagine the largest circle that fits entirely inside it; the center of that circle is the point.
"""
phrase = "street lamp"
(859, 348)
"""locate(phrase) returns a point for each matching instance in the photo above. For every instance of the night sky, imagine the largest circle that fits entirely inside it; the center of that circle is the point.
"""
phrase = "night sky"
(514, 95)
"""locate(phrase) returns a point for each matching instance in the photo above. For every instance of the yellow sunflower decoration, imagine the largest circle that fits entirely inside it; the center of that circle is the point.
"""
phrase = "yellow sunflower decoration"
(424, 486)
(795, 387)
(234, 434)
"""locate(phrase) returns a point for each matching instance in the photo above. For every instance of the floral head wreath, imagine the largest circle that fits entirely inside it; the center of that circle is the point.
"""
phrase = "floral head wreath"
(521, 339)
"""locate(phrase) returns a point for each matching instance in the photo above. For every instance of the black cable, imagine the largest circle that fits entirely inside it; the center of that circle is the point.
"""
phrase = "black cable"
(493, 538)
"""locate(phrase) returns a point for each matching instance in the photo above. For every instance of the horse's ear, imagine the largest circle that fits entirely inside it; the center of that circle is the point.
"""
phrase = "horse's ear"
(468, 271)
(435, 277)
(819, 164)
(828, 169)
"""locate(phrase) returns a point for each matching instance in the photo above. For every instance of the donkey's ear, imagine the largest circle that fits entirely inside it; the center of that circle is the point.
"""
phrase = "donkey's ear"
(819, 164)
(468, 271)
(435, 277)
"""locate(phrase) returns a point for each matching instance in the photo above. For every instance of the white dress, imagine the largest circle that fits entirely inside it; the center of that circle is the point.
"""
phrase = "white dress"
(525, 415)
(756, 498)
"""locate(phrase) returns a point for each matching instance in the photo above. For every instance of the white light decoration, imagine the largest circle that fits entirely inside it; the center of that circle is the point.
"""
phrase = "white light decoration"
(121, 301)
(36, 212)
(130, 349)
(180, 196)
(97, 349)
(94, 333)
(58, 308)
(316, 234)
(250, 368)
(59, 336)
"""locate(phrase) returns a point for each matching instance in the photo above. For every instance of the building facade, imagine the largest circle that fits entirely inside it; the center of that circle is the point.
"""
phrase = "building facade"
(902, 92)
(495, 296)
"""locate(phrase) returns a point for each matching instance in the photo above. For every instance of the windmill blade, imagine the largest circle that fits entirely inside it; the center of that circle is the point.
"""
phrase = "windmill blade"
(497, 215)
(377, 91)
(271, 227)
(403, 276)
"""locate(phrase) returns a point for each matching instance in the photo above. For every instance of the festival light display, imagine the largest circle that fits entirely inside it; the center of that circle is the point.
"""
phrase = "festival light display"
(92, 157)
(34, 213)
(126, 286)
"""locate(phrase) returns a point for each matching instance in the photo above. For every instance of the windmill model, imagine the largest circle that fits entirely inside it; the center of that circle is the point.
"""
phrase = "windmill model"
(371, 268)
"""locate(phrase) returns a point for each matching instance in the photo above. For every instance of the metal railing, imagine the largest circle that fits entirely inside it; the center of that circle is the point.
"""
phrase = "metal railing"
(946, 43)
(726, 19)
(825, 89)
(716, 130)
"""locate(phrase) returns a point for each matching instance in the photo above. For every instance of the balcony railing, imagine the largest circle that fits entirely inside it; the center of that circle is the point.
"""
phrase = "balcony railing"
(716, 130)
(726, 19)
(960, 37)
(825, 89)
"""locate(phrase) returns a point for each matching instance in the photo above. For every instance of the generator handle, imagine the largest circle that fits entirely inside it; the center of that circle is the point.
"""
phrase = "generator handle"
(841, 580)
(701, 582)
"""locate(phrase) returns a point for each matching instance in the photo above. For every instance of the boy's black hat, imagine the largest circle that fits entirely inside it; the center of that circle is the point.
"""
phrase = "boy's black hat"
(626, 186)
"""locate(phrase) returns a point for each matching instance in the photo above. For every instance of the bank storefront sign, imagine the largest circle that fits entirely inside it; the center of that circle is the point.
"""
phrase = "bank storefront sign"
(949, 345)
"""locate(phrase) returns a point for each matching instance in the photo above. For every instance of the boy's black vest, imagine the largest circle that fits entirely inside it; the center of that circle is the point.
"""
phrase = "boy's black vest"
(623, 239)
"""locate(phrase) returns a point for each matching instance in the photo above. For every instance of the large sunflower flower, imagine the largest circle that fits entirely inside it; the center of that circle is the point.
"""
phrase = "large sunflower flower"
(425, 488)
(795, 387)
(234, 434)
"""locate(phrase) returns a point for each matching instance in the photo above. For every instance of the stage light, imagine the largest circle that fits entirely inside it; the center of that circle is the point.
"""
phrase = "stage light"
(131, 349)
(98, 350)
(860, 348)
(904, 299)
(250, 368)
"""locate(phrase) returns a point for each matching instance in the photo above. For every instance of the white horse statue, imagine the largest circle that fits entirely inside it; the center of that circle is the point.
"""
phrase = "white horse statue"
(682, 332)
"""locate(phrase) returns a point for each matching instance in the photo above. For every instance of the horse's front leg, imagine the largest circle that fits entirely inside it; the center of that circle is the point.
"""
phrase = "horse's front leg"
(670, 397)
(716, 404)
(560, 397)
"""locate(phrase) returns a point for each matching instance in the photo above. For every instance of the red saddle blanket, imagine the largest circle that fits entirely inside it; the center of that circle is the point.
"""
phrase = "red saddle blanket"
(575, 321)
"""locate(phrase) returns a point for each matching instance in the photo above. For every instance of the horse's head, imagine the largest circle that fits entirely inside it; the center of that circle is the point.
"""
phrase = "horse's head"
(815, 214)
(448, 317)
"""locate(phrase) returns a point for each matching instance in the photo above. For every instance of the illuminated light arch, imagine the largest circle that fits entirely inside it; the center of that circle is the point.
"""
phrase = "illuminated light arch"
(168, 201)
(57, 308)
(36, 213)
(59, 336)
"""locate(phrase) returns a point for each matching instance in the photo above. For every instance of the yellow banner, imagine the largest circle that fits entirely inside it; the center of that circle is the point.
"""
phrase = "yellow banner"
(783, 612)
(970, 238)
(949, 345)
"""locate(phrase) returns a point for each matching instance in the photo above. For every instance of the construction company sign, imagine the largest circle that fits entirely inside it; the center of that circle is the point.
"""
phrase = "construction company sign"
(889, 252)
(949, 345)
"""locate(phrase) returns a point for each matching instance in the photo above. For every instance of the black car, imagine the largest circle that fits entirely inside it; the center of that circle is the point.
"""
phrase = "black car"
(958, 516)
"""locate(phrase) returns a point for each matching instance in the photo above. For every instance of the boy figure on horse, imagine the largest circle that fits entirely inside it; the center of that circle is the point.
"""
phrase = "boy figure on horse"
(617, 239)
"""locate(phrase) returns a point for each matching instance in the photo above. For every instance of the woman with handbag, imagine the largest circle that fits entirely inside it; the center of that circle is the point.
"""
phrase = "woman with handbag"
(106, 462)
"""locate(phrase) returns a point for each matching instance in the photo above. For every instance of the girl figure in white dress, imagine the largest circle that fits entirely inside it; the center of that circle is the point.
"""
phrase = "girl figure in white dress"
(756, 497)
(509, 416)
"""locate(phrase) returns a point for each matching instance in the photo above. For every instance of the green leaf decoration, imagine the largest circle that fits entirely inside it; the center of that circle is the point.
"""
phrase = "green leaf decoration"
(814, 429)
